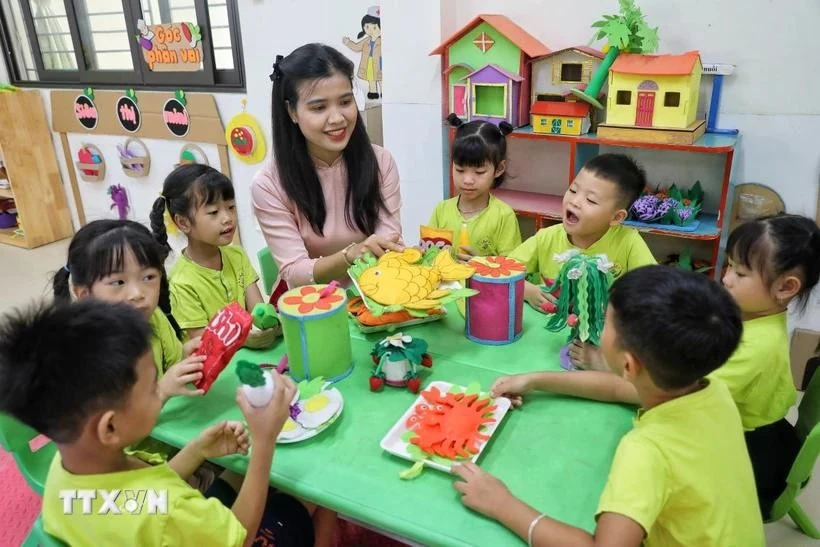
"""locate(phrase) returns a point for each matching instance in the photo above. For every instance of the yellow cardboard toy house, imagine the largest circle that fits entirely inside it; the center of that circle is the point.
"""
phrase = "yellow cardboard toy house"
(654, 91)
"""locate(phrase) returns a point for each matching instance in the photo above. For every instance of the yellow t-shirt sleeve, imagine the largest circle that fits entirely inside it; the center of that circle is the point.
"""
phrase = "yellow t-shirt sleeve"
(189, 310)
(637, 483)
(639, 254)
(508, 238)
(169, 344)
(195, 520)
(527, 253)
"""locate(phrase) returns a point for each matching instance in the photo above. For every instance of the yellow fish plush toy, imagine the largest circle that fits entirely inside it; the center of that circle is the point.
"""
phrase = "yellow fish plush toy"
(396, 279)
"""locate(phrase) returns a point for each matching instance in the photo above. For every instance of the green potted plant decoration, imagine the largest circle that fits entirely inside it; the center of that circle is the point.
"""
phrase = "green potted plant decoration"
(626, 31)
(396, 359)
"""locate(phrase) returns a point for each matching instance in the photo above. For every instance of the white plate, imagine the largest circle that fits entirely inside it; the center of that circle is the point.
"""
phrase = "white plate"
(310, 433)
(393, 443)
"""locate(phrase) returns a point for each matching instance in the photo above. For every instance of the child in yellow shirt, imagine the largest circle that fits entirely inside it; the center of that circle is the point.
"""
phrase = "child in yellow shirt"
(211, 273)
(480, 223)
(682, 476)
(120, 261)
(772, 261)
(83, 374)
(594, 208)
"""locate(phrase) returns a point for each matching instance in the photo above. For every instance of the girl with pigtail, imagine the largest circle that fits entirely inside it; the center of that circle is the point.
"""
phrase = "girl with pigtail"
(211, 272)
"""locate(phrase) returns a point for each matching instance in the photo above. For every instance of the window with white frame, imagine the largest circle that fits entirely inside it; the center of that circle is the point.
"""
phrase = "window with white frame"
(97, 42)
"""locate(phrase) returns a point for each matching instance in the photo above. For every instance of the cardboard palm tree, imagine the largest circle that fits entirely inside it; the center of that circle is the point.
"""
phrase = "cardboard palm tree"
(627, 32)
(582, 287)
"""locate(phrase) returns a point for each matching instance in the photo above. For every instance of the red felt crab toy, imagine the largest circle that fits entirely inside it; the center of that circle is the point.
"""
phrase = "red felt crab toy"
(396, 360)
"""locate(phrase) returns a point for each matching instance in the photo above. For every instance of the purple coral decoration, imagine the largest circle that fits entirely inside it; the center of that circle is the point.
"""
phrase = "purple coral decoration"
(645, 207)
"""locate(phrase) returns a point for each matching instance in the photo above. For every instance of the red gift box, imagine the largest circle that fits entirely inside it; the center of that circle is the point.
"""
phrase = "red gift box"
(223, 337)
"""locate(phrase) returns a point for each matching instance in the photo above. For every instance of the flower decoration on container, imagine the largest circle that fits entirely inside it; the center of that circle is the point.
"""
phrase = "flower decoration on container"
(396, 359)
(674, 208)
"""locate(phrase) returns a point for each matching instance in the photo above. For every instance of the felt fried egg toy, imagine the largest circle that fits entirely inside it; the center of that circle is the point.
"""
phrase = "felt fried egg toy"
(291, 430)
(319, 409)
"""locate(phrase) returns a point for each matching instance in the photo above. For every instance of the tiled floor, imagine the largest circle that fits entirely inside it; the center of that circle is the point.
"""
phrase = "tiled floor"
(26, 274)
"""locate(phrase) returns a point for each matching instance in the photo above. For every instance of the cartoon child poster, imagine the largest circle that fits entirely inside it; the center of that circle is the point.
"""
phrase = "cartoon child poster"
(369, 44)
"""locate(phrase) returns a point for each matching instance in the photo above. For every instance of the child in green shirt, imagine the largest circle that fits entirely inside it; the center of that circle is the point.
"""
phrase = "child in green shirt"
(479, 223)
(211, 273)
(83, 374)
(682, 475)
(594, 208)
(120, 261)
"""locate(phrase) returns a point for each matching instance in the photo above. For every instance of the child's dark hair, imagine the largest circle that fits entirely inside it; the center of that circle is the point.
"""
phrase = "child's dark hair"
(623, 171)
(185, 189)
(779, 244)
(477, 142)
(681, 325)
(369, 19)
(59, 364)
(297, 172)
(98, 249)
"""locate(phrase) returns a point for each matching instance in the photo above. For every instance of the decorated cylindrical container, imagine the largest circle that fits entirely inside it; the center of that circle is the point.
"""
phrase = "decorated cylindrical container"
(494, 316)
(317, 337)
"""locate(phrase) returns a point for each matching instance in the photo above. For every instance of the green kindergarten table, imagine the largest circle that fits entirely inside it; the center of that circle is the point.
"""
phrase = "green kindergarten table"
(554, 453)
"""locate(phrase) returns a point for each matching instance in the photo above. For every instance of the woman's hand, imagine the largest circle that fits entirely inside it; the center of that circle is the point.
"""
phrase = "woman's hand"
(376, 244)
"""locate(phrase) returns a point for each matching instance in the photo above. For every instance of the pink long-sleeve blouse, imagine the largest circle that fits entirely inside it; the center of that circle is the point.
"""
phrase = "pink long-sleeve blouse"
(292, 241)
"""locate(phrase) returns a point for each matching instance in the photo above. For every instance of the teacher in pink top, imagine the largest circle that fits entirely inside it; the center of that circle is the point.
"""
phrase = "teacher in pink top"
(329, 195)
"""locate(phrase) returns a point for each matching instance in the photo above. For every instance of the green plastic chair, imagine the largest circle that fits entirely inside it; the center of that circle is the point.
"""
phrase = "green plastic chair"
(15, 438)
(38, 537)
(270, 271)
(808, 429)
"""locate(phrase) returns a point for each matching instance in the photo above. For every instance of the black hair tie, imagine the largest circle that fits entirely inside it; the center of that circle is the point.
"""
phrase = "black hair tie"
(277, 72)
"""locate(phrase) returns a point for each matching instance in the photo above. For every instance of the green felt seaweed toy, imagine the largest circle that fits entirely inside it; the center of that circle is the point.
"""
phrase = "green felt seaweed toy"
(582, 287)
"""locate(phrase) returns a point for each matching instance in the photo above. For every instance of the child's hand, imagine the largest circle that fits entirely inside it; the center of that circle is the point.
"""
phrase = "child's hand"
(223, 439)
(535, 297)
(178, 376)
(465, 253)
(266, 422)
(511, 387)
(191, 346)
(480, 491)
(263, 339)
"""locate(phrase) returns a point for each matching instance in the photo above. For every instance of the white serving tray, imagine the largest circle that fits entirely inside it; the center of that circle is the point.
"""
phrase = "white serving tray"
(393, 443)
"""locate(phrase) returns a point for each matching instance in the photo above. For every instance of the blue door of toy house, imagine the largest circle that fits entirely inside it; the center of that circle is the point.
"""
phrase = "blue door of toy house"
(556, 126)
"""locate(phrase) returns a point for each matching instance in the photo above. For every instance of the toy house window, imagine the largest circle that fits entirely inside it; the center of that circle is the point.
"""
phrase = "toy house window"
(92, 43)
(623, 97)
(570, 123)
(490, 100)
(550, 97)
(572, 72)
(671, 98)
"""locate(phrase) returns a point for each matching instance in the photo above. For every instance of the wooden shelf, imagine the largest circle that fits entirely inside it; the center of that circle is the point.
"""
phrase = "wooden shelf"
(6, 193)
(706, 230)
(532, 203)
(7, 236)
(709, 143)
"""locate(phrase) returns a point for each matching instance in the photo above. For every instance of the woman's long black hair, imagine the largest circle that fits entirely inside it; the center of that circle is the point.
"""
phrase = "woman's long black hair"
(297, 173)
(98, 250)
